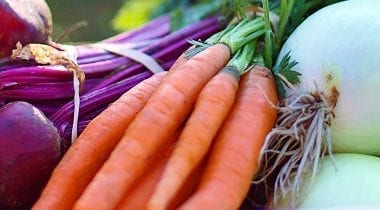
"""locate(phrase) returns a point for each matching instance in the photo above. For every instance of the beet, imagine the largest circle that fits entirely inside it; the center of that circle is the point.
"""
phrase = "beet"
(27, 21)
(29, 151)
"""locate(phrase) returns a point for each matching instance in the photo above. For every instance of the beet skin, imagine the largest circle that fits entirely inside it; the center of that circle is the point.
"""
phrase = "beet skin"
(29, 151)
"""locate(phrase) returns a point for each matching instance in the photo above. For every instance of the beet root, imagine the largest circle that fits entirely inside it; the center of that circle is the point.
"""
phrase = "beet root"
(24, 21)
(29, 151)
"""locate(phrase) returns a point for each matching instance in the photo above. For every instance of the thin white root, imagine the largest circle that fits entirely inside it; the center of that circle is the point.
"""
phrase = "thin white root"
(296, 144)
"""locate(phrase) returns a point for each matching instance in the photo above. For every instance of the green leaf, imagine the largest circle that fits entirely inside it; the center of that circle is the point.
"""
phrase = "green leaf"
(284, 68)
(280, 87)
(292, 76)
(244, 56)
(268, 38)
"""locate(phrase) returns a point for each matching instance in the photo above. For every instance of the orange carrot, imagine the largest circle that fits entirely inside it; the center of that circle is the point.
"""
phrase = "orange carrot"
(179, 62)
(154, 125)
(142, 189)
(188, 187)
(140, 193)
(234, 157)
(138, 196)
(212, 106)
(91, 149)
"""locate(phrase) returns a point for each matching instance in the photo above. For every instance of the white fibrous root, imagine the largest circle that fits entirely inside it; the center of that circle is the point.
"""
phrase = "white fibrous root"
(302, 136)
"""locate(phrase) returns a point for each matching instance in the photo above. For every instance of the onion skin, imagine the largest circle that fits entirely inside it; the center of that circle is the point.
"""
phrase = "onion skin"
(341, 42)
(26, 21)
(351, 181)
(29, 151)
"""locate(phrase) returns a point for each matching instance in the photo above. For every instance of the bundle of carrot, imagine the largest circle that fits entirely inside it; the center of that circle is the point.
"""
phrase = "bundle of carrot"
(187, 139)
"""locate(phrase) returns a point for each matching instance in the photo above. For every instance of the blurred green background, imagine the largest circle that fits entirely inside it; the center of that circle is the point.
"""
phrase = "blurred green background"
(107, 18)
(97, 13)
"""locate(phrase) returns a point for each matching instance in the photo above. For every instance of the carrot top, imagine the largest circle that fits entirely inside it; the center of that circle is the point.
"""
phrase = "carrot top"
(235, 35)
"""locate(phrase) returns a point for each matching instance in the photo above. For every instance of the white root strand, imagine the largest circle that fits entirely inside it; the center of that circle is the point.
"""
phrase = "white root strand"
(301, 136)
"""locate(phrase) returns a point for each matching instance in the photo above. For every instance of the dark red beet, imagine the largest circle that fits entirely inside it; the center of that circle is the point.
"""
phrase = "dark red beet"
(29, 151)
(27, 21)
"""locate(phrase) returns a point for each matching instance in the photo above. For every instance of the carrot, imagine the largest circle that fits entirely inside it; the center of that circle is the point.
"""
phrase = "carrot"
(234, 157)
(139, 194)
(141, 191)
(154, 125)
(91, 149)
(187, 187)
(179, 62)
(212, 106)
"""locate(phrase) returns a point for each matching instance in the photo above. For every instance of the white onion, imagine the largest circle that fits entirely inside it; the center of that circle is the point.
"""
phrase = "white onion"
(344, 39)
(352, 181)
(338, 51)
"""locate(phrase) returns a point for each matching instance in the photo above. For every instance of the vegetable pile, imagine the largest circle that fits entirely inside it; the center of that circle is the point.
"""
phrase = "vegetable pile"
(200, 99)
(270, 104)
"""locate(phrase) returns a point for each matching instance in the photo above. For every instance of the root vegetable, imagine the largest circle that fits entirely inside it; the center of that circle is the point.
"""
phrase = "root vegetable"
(29, 150)
(25, 22)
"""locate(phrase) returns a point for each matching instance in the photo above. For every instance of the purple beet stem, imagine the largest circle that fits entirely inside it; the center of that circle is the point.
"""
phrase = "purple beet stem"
(108, 75)
(104, 67)
(171, 51)
(94, 99)
(43, 91)
(155, 29)
(140, 37)
(202, 29)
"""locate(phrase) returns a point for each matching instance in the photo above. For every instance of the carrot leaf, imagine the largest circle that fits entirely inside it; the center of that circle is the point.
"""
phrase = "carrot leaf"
(243, 57)
(246, 30)
(268, 37)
